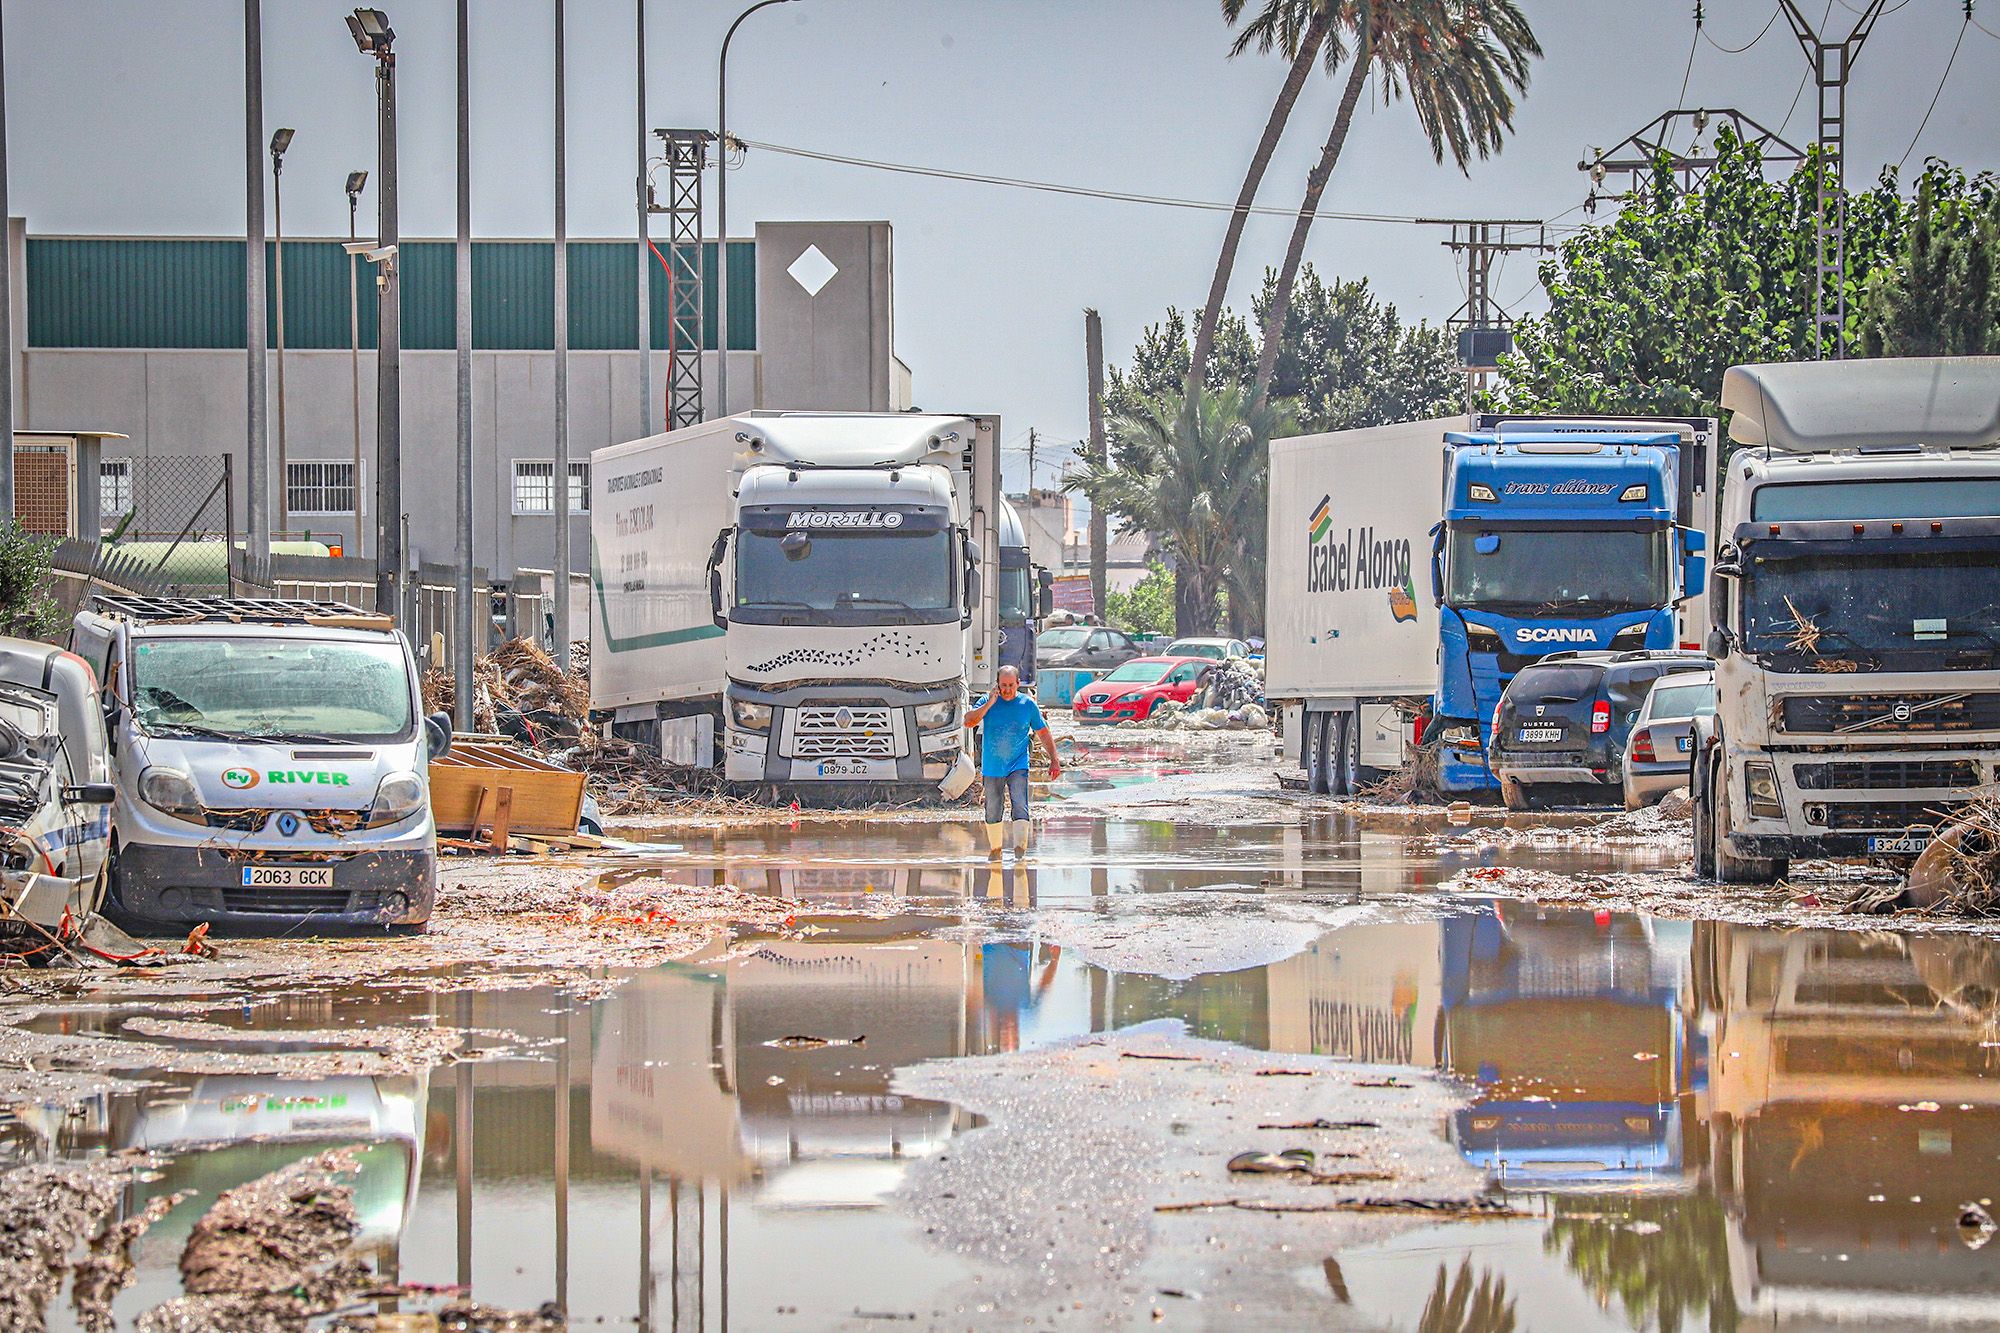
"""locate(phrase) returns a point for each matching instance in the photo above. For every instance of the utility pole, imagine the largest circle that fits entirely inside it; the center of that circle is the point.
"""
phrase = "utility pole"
(686, 153)
(356, 182)
(1831, 63)
(374, 37)
(1481, 323)
(561, 466)
(7, 354)
(464, 620)
(1034, 437)
(645, 238)
(1100, 536)
(280, 141)
(1637, 156)
(256, 438)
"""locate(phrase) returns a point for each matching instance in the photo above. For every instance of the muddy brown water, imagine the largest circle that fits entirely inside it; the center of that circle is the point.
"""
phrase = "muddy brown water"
(1705, 1124)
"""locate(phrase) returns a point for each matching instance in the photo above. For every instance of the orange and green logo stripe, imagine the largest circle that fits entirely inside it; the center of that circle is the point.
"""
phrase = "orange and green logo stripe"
(1320, 521)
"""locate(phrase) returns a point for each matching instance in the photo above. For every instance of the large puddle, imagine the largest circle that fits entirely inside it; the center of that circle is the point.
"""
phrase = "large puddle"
(1705, 1123)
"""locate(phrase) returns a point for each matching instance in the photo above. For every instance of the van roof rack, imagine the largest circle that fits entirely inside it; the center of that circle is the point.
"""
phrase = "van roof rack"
(238, 611)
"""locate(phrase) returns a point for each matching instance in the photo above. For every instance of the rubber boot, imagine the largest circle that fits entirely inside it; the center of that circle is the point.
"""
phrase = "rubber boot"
(1021, 830)
(996, 839)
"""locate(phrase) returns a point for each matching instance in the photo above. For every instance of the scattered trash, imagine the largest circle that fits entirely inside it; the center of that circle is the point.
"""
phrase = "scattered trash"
(1975, 1226)
(804, 1043)
(1142, 1055)
(1284, 1073)
(1959, 873)
(1383, 1083)
(1327, 1124)
(1272, 1163)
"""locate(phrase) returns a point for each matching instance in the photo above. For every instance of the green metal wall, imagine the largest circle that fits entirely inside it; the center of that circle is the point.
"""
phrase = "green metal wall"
(117, 292)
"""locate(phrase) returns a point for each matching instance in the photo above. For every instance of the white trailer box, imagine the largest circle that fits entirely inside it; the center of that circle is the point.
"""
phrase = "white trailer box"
(656, 507)
(1348, 604)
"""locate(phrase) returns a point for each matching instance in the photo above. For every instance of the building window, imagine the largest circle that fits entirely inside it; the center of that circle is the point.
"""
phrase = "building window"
(534, 487)
(319, 488)
(114, 491)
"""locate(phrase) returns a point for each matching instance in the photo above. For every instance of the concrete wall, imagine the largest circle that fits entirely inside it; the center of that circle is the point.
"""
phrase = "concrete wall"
(834, 350)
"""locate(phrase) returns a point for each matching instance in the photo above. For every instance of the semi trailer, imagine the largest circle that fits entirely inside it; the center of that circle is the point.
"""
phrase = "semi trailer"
(1414, 568)
(800, 599)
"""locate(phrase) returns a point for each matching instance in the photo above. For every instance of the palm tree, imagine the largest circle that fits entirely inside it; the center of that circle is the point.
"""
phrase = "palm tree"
(1460, 62)
(1299, 28)
(1192, 473)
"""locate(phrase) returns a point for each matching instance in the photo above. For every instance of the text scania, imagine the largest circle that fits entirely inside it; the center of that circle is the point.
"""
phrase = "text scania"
(1554, 634)
(844, 518)
(1357, 560)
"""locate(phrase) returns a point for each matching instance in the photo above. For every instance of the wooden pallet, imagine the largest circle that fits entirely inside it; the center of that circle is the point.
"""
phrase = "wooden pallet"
(488, 792)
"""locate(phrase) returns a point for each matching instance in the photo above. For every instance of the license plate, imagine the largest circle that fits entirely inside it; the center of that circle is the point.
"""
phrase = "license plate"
(1094, 708)
(845, 768)
(1899, 844)
(1540, 735)
(1687, 744)
(287, 877)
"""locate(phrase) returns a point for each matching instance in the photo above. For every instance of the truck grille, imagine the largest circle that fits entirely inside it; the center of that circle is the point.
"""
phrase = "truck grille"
(252, 821)
(1884, 816)
(1865, 713)
(842, 732)
(1887, 774)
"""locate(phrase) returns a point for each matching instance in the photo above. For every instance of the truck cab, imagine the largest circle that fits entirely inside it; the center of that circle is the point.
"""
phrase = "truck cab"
(1557, 536)
(1855, 612)
(270, 760)
(1027, 595)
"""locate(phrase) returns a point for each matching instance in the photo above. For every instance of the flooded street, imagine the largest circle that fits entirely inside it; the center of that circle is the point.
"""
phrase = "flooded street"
(950, 1094)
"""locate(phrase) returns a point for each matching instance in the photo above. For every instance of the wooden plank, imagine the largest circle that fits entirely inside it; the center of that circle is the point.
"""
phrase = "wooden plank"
(545, 803)
(503, 813)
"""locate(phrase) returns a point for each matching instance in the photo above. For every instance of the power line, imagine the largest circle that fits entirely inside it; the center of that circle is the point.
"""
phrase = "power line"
(1735, 50)
(1949, 62)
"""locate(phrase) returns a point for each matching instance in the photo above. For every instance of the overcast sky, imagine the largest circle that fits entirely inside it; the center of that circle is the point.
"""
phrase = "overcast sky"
(126, 117)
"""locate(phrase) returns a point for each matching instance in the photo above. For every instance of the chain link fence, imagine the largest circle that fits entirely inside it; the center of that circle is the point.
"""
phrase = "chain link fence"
(168, 521)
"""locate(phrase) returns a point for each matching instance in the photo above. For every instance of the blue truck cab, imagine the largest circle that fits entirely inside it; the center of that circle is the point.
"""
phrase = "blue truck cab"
(1557, 536)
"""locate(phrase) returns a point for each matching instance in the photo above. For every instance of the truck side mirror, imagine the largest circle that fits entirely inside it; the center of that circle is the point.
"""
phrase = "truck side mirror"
(91, 793)
(1719, 641)
(1046, 604)
(972, 588)
(1437, 565)
(715, 555)
(437, 735)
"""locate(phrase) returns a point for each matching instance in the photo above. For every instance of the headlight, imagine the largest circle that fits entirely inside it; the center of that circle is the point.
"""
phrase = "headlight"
(1760, 783)
(749, 716)
(1482, 493)
(170, 791)
(398, 796)
(1481, 638)
(937, 716)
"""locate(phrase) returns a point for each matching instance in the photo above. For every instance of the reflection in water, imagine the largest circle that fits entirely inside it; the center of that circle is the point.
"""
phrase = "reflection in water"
(1709, 1123)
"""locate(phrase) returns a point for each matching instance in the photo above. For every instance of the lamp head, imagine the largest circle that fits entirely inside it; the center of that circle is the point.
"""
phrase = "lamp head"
(371, 30)
(356, 180)
(280, 141)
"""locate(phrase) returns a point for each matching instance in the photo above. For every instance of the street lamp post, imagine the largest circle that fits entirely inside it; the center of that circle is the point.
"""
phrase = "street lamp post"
(356, 182)
(280, 141)
(722, 209)
(374, 37)
(257, 443)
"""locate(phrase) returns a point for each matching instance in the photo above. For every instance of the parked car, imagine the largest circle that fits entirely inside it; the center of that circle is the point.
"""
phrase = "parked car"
(1214, 649)
(1083, 647)
(1661, 746)
(55, 788)
(1134, 690)
(1561, 725)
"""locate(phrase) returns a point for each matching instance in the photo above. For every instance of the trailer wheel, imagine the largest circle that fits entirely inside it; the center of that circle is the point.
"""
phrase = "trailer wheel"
(1318, 771)
(1345, 754)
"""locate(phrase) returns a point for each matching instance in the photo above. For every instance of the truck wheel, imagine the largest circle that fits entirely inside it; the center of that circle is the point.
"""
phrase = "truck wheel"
(1347, 754)
(1515, 796)
(1730, 867)
(1317, 769)
(1702, 796)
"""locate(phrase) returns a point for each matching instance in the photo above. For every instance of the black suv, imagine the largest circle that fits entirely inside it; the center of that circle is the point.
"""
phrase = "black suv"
(1561, 725)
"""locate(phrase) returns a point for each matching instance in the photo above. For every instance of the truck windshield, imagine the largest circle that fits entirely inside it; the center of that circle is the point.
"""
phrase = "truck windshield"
(895, 572)
(1556, 571)
(1016, 595)
(308, 689)
(1861, 605)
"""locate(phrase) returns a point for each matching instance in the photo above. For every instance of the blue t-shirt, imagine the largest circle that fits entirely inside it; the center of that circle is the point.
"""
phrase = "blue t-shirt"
(1009, 724)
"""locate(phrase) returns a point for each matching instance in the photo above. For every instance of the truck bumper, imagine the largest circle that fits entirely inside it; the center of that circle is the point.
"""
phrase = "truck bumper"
(1827, 812)
(1464, 771)
(185, 886)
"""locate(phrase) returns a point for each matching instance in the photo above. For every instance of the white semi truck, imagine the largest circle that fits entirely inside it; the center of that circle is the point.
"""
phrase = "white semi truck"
(1854, 612)
(804, 595)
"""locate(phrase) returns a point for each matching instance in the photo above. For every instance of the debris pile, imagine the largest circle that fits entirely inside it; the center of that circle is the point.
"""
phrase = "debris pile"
(520, 692)
(1234, 684)
(1179, 717)
(1959, 873)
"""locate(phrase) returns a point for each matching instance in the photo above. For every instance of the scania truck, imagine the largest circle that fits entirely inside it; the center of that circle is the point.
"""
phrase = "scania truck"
(1855, 612)
(804, 598)
(1414, 568)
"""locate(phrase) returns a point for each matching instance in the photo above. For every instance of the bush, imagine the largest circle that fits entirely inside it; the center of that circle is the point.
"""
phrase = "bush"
(28, 609)
(1148, 608)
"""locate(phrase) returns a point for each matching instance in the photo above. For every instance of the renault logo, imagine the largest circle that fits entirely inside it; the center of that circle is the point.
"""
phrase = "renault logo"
(844, 718)
(288, 823)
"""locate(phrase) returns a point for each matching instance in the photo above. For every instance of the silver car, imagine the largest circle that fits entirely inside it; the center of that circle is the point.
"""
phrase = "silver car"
(1660, 748)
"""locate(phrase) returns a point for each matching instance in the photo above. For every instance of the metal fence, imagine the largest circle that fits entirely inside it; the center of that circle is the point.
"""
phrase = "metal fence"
(169, 520)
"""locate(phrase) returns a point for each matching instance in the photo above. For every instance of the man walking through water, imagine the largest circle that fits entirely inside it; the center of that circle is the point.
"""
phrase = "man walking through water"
(1011, 718)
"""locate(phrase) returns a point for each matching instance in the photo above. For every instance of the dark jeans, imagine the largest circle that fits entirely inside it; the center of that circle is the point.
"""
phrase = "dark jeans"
(1014, 787)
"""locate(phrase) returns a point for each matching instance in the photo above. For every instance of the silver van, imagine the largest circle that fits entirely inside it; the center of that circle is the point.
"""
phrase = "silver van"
(55, 793)
(271, 763)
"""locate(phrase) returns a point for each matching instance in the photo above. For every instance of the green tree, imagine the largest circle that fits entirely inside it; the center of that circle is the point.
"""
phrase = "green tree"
(1148, 608)
(1460, 62)
(1939, 297)
(27, 610)
(1299, 30)
(1192, 474)
(1459, 1306)
(1663, 1259)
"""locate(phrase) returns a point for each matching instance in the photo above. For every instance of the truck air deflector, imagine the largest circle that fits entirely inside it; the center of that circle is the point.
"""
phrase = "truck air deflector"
(1815, 407)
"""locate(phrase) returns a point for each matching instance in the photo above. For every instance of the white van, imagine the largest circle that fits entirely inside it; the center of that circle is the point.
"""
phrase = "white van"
(55, 793)
(271, 762)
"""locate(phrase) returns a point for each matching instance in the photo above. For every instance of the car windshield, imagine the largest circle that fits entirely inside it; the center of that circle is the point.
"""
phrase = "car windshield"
(1136, 673)
(1016, 594)
(1859, 605)
(318, 689)
(1532, 572)
(1062, 640)
(1188, 648)
(1556, 684)
(1684, 700)
(902, 571)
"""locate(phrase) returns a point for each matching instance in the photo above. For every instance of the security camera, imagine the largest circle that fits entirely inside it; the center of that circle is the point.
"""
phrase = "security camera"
(369, 251)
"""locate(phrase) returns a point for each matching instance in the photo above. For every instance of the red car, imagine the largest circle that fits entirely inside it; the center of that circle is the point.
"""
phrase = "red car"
(1133, 690)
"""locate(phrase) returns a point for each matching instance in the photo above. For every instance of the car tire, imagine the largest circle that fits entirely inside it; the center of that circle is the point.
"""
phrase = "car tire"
(1516, 796)
(1730, 867)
